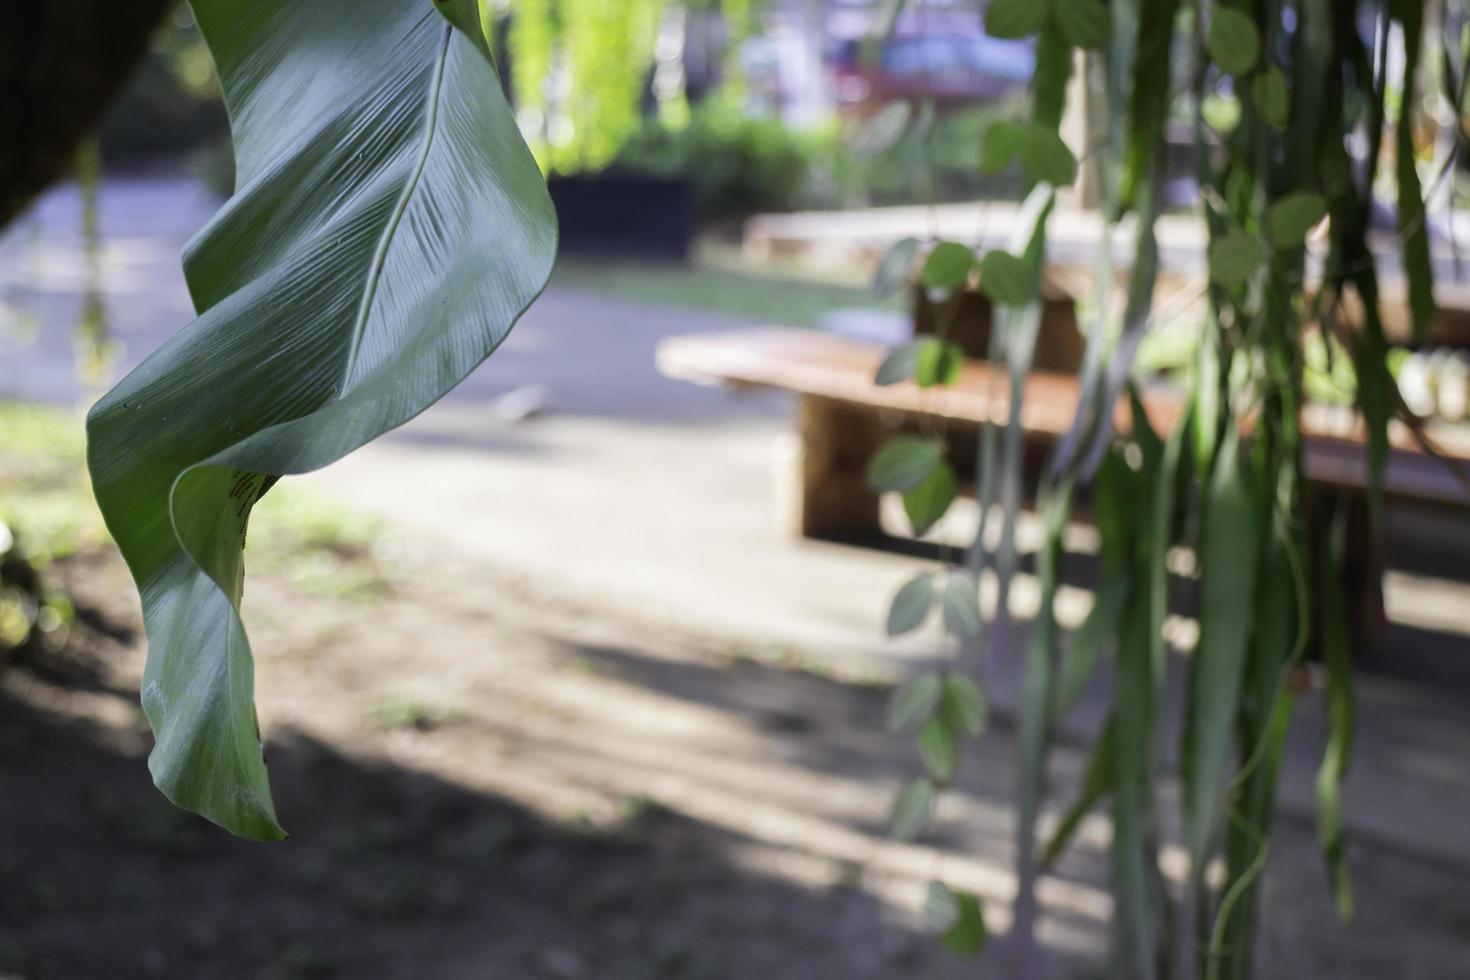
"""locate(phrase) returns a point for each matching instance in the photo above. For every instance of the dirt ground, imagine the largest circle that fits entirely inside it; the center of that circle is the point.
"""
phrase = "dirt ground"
(486, 782)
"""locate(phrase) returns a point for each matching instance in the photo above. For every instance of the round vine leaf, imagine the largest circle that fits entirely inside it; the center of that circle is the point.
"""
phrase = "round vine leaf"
(1046, 158)
(912, 810)
(911, 605)
(961, 604)
(915, 703)
(938, 362)
(1233, 257)
(900, 364)
(1015, 18)
(955, 917)
(1291, 217)
(1005, 278)
(1085, 23)
(966, 935)
(937, 749)
(388, 230)
(948, 266)
(926, 503)
(1271, 97)
(941, 908)
(885, 128)
(1233, 42)
(1221, 113)
(1001, 145)
(895, 267)
(963, 705)
(903, 463)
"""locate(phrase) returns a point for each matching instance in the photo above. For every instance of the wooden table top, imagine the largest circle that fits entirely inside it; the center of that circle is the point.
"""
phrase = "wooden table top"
(823, 365)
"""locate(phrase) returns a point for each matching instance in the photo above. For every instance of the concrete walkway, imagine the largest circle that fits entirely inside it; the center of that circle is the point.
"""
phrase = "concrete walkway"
(657, 499)
(568, 464)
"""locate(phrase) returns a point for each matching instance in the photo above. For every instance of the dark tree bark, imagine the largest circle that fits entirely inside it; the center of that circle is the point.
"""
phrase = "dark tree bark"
(62, 62)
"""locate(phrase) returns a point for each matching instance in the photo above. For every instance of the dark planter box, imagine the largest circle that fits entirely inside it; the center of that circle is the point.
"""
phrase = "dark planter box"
(612, 215)
(1059, 344)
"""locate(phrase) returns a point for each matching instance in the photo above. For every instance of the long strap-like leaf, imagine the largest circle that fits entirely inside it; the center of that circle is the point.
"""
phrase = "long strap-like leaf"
(388, 229)
(1418, 271)
(1229, 550)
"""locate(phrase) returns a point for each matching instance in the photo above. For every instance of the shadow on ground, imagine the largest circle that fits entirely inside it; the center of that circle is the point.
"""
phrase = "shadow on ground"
(733, 821)
(391, 873)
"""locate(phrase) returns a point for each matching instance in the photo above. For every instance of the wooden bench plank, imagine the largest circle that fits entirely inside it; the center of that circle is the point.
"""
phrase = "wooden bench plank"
(828, 366)
(841, 369)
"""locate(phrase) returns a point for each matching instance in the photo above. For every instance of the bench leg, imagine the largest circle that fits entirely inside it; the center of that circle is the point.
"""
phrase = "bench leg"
(1362, 575)
(826, 493)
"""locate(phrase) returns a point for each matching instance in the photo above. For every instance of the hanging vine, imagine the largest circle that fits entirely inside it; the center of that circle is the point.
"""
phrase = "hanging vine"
(1286, 185)
(579, 71)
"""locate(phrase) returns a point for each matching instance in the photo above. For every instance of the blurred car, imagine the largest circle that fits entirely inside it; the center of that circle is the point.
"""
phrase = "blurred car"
(953, 69)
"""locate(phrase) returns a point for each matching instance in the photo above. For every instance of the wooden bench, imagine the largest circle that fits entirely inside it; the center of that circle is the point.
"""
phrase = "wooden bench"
(844, 416)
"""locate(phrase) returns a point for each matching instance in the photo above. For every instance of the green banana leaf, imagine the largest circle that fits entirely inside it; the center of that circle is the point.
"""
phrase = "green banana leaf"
(388, 229)
(1230, 555)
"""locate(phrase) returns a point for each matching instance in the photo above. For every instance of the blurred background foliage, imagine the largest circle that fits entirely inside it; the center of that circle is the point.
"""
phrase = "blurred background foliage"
(171, 108)
(711, 127)
(47, 515)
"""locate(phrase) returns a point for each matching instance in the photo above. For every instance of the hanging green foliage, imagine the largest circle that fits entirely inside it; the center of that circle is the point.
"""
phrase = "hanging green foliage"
(582, 71)
(1290, 176)
(607, 54)
(530, 39)
(388, 229)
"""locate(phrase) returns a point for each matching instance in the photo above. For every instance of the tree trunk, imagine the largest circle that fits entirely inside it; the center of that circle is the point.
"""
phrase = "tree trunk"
(61, 64)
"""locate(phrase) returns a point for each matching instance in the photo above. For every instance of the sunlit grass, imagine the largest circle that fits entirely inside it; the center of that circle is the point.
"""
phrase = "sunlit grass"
(44, 494)
(296, 531)
(719, 279)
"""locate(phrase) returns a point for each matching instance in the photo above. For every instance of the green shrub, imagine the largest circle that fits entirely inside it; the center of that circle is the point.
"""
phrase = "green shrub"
(172, 105)
(740, 164)
(743, 164)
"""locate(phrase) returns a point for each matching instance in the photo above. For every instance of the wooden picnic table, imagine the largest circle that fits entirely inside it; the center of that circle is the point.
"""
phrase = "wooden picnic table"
(844, 416)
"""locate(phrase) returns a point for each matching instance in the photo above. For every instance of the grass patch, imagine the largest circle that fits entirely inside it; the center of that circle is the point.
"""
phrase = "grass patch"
(722, 282)
(44, 494)
(45, 497)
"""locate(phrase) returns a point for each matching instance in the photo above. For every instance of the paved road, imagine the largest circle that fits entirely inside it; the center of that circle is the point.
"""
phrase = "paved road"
(657, 496)
(593, 356)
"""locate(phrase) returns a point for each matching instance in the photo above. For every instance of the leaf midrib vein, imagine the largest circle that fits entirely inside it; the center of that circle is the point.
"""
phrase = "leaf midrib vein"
(390, 231)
